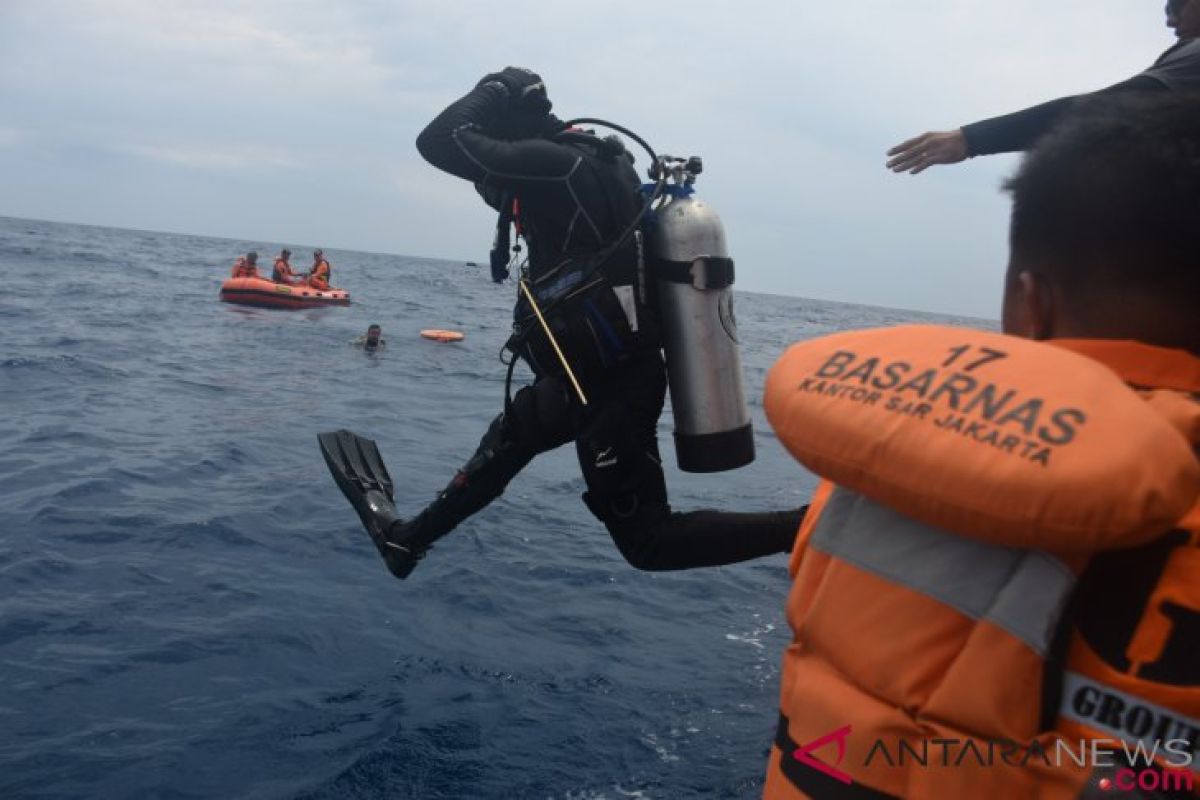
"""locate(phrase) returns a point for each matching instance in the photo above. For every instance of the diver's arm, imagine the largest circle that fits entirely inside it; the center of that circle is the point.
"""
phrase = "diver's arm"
(476, 108)
(519, 163)
(1019, 130)
(456, 142)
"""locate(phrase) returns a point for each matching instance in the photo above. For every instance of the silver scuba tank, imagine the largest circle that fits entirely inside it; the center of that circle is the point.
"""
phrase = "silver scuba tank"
(693, 277)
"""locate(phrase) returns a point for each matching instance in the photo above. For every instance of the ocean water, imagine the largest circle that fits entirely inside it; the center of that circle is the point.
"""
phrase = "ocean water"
(189, 608)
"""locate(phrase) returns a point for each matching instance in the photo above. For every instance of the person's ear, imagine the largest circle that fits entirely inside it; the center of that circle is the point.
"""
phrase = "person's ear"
(1029, 308)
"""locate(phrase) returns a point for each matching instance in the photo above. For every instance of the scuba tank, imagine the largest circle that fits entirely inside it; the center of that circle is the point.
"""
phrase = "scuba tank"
(693, 277)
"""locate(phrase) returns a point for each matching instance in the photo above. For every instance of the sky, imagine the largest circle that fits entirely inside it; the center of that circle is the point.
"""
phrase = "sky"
(293, 121)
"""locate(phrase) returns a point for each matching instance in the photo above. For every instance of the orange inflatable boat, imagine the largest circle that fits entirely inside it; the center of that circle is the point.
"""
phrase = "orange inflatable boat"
(268, 294)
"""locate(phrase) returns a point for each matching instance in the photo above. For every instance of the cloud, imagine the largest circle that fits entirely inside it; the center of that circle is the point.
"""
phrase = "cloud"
(200, 157)
(791, 104)
(12, 137)
(262, 43)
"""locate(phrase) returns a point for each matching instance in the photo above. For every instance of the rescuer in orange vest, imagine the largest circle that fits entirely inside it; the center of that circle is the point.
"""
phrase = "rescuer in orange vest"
(321, 273)
(936, 657)
(246, 266)
(283, 273)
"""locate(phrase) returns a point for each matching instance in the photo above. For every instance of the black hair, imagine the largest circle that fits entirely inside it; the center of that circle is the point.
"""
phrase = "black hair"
(1109, 201)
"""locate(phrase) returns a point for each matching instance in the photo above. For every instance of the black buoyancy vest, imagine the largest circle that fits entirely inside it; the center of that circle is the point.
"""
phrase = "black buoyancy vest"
(596, 302)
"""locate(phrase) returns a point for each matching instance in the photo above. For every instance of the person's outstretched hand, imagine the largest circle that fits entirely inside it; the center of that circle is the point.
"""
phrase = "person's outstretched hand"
(921, 152)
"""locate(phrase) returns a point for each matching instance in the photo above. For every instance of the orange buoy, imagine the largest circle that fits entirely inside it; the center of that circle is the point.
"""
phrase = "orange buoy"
(442, 336)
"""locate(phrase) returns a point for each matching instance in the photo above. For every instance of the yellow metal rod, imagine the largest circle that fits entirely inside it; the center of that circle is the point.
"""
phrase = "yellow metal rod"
(563, 359)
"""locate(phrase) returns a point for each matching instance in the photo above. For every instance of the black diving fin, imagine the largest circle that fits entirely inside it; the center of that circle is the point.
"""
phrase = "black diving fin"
(362, 476)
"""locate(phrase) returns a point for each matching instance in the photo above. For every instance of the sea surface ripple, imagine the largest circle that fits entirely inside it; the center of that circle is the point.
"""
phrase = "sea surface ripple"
(189, 609)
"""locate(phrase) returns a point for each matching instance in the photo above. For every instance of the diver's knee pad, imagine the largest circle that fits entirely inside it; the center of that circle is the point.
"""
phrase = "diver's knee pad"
(621, 509)
(496, 461)
(624, 477)
(635, 527)
(493, 442)
(625, 485)
(544, 415)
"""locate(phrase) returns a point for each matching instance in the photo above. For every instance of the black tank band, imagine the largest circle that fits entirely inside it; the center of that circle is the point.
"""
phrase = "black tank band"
(705, 272)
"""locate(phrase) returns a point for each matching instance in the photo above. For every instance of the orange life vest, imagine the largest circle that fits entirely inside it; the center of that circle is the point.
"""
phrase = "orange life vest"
(282, 272)
(322, 275)
(977, 478)
(244, 269)
(1132, 665)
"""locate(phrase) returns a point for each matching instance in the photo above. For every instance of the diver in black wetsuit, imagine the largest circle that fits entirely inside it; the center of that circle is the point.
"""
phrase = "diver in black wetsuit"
(573, 195)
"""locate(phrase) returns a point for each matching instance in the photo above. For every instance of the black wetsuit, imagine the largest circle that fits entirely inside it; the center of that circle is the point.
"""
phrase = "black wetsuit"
(576, 198)
(1176, 69)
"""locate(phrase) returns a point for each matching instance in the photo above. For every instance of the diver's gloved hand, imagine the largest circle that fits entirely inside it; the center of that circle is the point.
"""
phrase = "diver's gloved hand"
(526, 90)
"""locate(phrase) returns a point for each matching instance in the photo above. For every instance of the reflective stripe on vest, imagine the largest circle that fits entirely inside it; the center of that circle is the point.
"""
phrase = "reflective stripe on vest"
(1022, 592)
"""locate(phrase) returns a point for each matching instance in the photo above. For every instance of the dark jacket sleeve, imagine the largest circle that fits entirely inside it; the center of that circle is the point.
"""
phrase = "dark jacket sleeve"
(476, 108)
(456, 142)
(1019, 130)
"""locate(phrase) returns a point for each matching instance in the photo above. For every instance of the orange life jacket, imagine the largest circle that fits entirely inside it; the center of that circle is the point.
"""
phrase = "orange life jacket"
(244, 269)
(1132, 665)
(282, 272)
(320, 276)
(930, 581)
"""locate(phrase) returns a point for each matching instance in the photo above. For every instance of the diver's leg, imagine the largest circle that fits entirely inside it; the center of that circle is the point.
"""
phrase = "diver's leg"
(618, 452)
(539, 419)
(656, 538)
